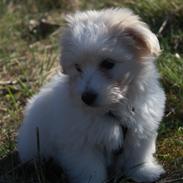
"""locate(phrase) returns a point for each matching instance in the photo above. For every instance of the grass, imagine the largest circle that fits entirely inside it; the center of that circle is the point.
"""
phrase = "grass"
(27, 58)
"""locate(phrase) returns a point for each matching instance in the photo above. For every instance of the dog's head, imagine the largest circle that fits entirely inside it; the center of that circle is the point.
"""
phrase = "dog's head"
(103, 52)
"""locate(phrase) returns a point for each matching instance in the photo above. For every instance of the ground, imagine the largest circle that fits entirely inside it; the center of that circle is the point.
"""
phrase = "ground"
(29, 53)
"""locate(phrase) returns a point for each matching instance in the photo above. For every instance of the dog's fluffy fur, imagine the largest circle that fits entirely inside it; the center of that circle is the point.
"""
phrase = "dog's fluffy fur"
(108, 53)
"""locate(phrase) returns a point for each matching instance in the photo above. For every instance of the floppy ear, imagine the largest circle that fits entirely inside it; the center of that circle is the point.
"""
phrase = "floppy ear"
(63, 64)
(62, 58)
(146, 42)
(63, 71)
(65, 43)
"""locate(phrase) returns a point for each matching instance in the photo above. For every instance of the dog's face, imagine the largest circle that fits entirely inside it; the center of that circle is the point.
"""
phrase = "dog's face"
(103, 52)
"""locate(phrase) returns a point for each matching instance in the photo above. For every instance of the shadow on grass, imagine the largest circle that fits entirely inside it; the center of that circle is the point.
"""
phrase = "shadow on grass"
(13, 171)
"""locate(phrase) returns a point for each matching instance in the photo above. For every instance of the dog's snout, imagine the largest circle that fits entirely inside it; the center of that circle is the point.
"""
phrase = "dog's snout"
(89, 97)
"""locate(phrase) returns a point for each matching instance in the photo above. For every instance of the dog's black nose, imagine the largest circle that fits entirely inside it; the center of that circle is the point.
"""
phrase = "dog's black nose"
(89, 97)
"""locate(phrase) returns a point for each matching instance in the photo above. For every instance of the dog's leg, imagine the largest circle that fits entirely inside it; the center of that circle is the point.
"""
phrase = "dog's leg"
(84, 166)
(137, 160)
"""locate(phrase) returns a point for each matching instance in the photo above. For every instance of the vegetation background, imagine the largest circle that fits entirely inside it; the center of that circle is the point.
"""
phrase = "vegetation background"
(29, 52)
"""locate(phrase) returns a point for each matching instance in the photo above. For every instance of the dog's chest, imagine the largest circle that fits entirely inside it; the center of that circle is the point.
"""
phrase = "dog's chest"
(106, 134)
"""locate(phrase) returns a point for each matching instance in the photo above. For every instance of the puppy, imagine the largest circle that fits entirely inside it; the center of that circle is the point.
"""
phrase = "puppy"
(106, 108)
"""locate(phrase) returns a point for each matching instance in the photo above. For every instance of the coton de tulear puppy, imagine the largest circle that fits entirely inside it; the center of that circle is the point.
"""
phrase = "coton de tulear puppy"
(105, 110)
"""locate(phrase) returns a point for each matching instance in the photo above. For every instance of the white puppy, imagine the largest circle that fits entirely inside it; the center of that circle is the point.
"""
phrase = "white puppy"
(106, 108)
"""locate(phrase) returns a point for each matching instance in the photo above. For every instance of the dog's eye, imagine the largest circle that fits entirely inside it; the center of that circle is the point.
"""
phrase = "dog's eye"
(78, 68)
(107, 64)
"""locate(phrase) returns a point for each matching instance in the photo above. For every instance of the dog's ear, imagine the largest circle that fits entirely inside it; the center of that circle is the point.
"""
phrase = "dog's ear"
(63, 65)
(133, 32)
(63, 71)
(146, 42)
(62, 58)
(63, 62)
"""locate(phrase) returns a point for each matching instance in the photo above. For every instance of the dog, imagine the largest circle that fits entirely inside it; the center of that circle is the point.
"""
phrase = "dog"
(105, 108)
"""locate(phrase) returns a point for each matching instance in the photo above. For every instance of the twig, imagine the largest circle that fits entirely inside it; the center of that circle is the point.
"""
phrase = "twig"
(163, 26)
(3, 83)
(37, 167)
(38, 144)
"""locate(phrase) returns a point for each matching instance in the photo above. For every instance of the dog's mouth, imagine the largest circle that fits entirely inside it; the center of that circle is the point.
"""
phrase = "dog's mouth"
(95, 109)
(93, 106)
(94, 101)
(101, 109)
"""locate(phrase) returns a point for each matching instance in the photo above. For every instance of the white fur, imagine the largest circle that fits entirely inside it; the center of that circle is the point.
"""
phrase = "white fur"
(83, 138)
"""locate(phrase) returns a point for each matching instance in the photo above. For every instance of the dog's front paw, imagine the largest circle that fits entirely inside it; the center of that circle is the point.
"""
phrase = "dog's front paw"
(146, 173)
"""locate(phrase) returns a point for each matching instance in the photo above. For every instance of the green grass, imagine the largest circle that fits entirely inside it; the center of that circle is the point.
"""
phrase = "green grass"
(27, 58)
